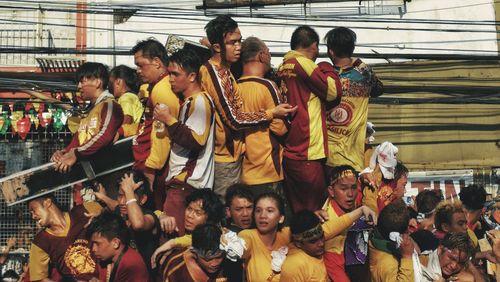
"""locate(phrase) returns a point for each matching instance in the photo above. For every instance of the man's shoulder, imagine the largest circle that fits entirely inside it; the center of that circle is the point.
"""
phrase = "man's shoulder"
(174, 260)
(132, 260)
(256, 80)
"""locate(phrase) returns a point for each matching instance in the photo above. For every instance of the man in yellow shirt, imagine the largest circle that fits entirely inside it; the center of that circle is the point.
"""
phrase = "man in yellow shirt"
(216, 78)
(305, 263)
(263, 152)
(151, 147)
(346, 122)
(390, 260)
(124, 85)
(343, 192)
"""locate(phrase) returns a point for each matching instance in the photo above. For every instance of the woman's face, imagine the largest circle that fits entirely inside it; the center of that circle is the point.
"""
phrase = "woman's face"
(267, 215)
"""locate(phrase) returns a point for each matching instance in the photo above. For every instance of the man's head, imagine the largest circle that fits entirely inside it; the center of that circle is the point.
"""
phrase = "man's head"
(340, 42)
(123, 79)
(401, 178)
(307, 233)
(393, 218)
(343, 187)
(109, 235)
(205, 248)
(183, 68)
(450, 217)
(239, 205)
(305, 40)
(202, 206)
(92, 79)
(142, 193)
(151, 59)
(225, 38)
(454, 253)
(427, 201)
(255, 50)
(473, 198)
(42, 209)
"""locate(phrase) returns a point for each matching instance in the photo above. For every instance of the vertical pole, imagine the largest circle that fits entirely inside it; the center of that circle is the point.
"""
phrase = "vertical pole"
(81, 25)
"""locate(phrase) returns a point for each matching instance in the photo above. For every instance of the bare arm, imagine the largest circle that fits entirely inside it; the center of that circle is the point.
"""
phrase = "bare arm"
(137, 219)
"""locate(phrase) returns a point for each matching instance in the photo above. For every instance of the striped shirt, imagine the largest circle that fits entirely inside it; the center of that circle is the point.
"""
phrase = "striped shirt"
(98, 128)
(191, 157)
(309, 87)
(230, 117)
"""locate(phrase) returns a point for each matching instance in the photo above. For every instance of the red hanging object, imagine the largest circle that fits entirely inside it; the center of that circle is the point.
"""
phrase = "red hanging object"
(45, 118)
(23, 127)
(28, 107)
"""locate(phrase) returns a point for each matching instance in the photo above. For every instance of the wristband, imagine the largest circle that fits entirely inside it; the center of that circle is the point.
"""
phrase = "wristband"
(130, 201)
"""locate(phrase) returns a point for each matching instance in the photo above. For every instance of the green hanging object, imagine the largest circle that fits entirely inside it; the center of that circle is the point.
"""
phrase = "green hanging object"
(6, 124)
(58, 123)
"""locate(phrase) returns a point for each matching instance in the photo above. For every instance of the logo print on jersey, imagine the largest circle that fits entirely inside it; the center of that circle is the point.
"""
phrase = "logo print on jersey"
(342, 114)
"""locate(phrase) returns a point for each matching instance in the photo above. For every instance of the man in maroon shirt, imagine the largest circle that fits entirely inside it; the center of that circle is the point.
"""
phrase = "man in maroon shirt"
(62, 241)
(204, 261)
(98, 128)
(110, 238)
(309, 86)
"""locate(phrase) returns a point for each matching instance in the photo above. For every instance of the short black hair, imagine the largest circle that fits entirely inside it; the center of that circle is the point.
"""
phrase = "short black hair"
(342, 41)
(302, 221)
(211, 204)
(187, 59)
(151, 48)
(91, 70)
(128, 74)
(238, 191)
(393, 218)
(218, 28)
(250, 48)
(206, 237)
(280, 202)
(303, 37)
(42, 198)
(143, 189)
(400, 170)
(427, 200)
(110, 226)
(473, 197)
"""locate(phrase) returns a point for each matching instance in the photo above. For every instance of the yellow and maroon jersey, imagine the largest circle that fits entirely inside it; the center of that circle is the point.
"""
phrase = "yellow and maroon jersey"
(181, 267)
(150, 147)
(309, 87)
(68, 250)
(98, 128)
(346, 122)
(263, 151)
(220, 84)
(192, 155)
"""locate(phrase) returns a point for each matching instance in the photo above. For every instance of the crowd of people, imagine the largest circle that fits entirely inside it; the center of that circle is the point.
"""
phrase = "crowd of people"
(267, 176)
